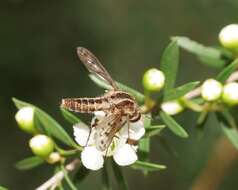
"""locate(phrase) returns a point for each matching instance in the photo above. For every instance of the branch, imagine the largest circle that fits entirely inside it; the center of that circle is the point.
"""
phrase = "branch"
(197, 91)
(58, 177)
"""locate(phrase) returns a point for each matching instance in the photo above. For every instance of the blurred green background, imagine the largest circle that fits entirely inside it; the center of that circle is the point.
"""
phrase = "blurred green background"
(38, 64)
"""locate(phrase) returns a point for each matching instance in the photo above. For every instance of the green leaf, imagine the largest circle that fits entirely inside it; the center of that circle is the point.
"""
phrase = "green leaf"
(144, 144)
(153, 130)
(51, 126)
(227, 71)
(228, 126)
(173, 125)
(138, 96)
(144, 148)
(71, 118)
(212, 62)
(225, 117)
(180, 91)
(105, 179)
(29, 163)
(207, 55)
(3, 188)
(169, 66)
(231, 134)
(119, 177)
(147, 166)
(202, 118)
(67, 179)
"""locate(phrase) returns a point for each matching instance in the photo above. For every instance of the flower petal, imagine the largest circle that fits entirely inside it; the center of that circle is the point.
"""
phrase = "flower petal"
(81, 132)
(125, 155)
(136, 130)
(92, 158)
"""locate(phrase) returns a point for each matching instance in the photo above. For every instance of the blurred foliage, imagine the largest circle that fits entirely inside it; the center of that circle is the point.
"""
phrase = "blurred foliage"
(38, 63)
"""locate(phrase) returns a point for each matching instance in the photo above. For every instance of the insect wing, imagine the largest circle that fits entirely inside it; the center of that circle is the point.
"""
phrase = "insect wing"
(106, 130)
(94, 66)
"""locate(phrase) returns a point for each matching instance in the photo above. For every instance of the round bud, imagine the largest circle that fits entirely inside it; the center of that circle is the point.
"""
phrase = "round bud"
(229, 36)
(53, 158)
(153, 80)
(41, 145)
(230, 93)
(172, 107)
(211, 90)
(25, 119)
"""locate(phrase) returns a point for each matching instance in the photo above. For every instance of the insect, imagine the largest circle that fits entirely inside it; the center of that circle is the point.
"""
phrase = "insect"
(119, 107)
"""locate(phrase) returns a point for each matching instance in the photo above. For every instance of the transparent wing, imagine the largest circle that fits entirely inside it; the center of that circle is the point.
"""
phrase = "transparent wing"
(94, 66)
(106, 130)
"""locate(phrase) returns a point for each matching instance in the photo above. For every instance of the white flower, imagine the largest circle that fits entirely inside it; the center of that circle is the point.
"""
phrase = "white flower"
(211, 90)
(123, 153)
(81, 133)
(172, 107)
(92, 158)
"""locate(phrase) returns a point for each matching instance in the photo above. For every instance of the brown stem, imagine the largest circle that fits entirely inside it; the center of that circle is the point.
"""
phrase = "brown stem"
(55, 180)
(222, 157)
(197, 91)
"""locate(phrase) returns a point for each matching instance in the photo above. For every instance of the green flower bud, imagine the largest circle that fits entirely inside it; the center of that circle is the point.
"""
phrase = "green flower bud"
(153, 80)
(172, 107)
(25, 119)
(230, 93)
(211, 90)
(53, 158)
(41, 145)
(229, 36)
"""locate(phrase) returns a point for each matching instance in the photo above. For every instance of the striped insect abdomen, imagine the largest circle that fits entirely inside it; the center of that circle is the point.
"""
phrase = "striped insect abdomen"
(85, 105)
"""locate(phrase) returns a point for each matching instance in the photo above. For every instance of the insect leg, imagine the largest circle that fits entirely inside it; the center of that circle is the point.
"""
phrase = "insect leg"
(128, 125)
(94, 124)
(128, 141)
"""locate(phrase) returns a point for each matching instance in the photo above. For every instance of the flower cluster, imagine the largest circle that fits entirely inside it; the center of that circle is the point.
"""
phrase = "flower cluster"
(212, 90)
(123, 153)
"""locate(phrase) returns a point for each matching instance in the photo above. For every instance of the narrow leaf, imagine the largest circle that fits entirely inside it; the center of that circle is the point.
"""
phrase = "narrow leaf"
(227, 71)
(173, 125)
(225, 117)
(212, 62)
(144, 144)
(154, 130)
(169, 65)
(207, 55)
(228, 126)
(147, 166)
(71, 118)
(105, 178)
(202, 118)
(119, 177)
(180, 91)
(3, 188)
(51, 126)
(29, 163)
(67, 179)
(231, 134)
(144, 148)
(138, 96)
